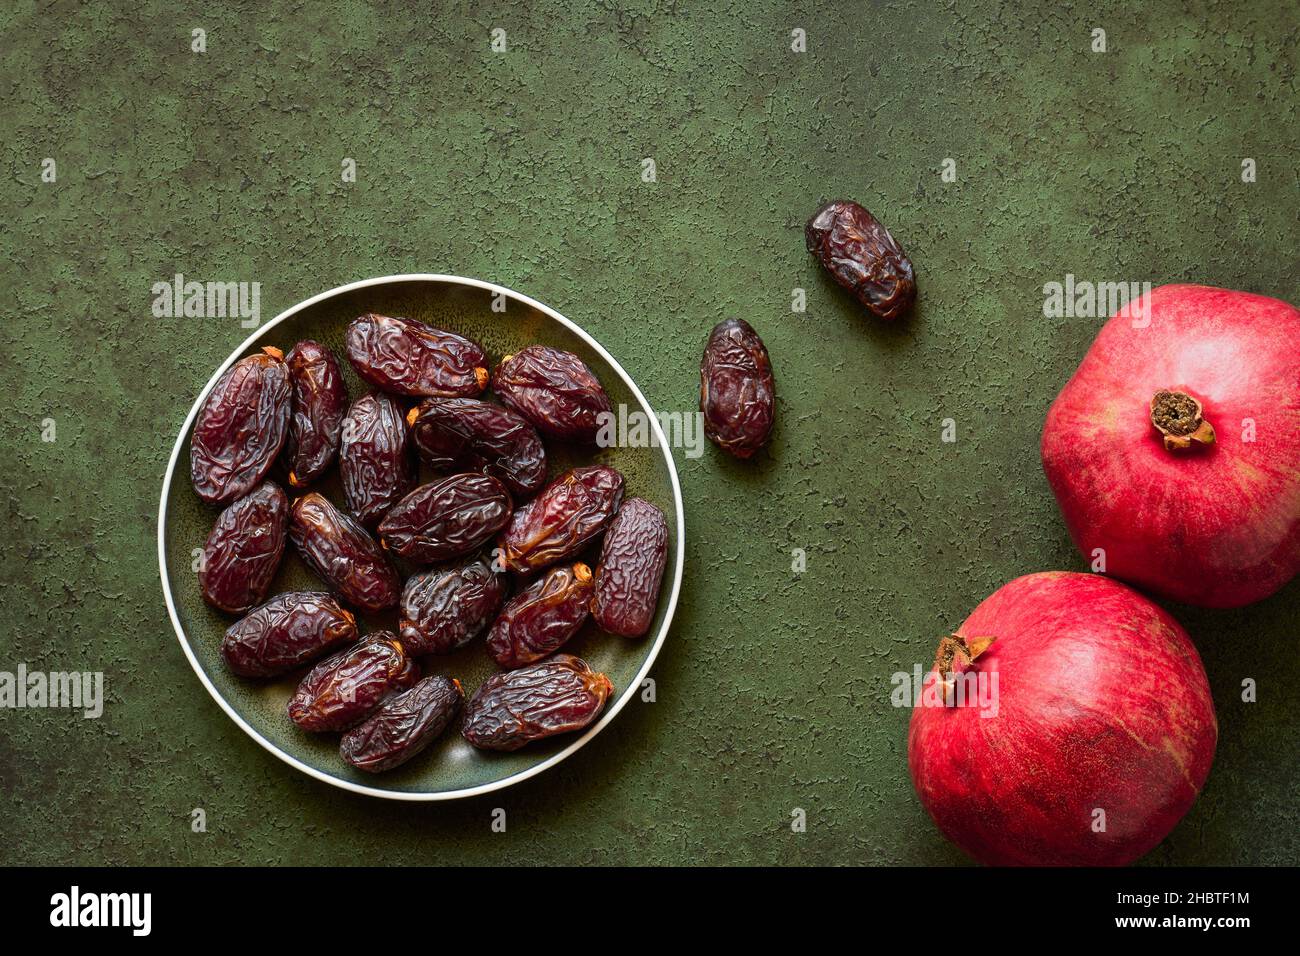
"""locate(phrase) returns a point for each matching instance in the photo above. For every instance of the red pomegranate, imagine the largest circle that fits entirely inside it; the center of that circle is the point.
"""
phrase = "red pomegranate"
(1098, 737)
(1175, 448)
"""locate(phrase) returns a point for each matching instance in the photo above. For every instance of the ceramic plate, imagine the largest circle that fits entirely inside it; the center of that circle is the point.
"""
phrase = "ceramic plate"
(450, 768)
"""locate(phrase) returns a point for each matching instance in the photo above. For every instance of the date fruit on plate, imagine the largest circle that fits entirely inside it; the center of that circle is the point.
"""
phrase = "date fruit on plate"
(563, 519)
(466, 434)
(540, 619)
(241, 428)
(404, 725)
(737, 390)
(554, 390)
(343, 554)
(446, 518)
(319, 400)
(632, 559)
(411, 358)
(444, 609)
(375, 460)
(862, 256)
(286, 632)
(244, 549)
(558, 695)
(343, 690)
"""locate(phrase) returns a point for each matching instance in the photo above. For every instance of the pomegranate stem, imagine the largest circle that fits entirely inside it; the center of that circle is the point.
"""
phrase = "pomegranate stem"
(954, 645)
(1180, 419)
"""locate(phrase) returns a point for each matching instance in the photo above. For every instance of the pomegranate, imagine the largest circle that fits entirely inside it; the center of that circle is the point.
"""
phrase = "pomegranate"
(1094, 742)
(1174, 451)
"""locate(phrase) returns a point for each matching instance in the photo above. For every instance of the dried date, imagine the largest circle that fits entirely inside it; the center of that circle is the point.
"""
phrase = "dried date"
(319, 400)
(563, 519)
(375, 461)
(737, 390)
(554, 696)
(343, 553)
(554, 390)
(444, 609)
(446, 518)
(411, 358)
(403, 726)
(240, 428)
(243, 551)
(632, 559)
(343, 690)
(863, 257)
(542, 617)
(465, 434)
(286, 632)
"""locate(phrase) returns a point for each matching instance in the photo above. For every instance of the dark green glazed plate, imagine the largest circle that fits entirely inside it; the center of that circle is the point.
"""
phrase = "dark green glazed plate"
(450, 768)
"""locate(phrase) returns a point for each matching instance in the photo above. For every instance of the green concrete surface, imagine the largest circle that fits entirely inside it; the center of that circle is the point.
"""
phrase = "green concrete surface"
(524, 168)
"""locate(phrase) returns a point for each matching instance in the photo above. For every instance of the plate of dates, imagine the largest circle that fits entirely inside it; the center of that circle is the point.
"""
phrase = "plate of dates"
(395, 549)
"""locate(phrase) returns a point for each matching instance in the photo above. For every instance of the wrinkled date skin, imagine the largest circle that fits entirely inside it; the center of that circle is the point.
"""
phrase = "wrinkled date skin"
(342, 552)
(554, 390)
(862, 256)
(737, 390)
(341, 691)
(444, 609)
(375, 460)
(447, 518)
(319, 400)
(411, 358)
(555, 696)
(244, 549)
(241, 428)
(542, 617)
(286, 632)
(465, 434)
(563, 519)
(403, 726)
(631, 568)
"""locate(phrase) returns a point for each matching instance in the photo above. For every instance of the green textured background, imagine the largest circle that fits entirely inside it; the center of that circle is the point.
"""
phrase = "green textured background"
(524, 168)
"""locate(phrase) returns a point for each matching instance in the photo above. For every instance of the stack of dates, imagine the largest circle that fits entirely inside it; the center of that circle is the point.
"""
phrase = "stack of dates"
(490, 546)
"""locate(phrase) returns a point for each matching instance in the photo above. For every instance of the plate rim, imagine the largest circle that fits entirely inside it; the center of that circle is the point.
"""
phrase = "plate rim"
(610, 712)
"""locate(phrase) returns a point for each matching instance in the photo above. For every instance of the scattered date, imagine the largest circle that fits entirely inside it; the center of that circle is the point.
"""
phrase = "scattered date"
(540, 619)
(411, 358)
(343, 553)
(286, 632)
(444, 609)
(632, 559)
(446, 518)
(342, 690)
(466, 434)
(861, 255)
(554, 390)
(376, 466)
(558, 695)
(319, 399)
(241, 428)
(737, 390)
